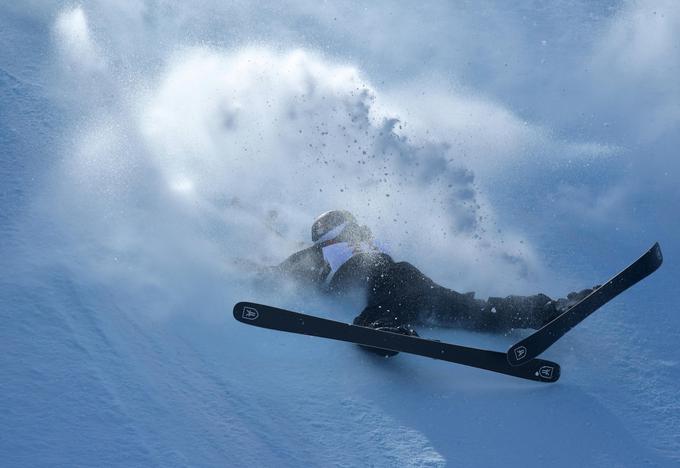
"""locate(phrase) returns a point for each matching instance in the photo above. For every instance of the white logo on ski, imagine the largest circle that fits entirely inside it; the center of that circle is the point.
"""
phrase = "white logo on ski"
(250, 313)
(546, 372)
(520, 353)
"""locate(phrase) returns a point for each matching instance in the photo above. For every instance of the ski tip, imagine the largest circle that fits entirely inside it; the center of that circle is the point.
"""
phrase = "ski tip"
(656, 250)
(548, 371)
(238, 307)
(539, 369)
(245, 311)
(518, 354)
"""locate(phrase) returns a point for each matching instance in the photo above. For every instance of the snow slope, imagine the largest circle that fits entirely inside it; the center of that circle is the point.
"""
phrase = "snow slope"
(143, 175)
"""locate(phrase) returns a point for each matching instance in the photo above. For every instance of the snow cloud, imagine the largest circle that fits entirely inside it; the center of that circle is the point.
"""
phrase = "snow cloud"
(75, 40)
(638, 61)
(222, 157)
(235, 147)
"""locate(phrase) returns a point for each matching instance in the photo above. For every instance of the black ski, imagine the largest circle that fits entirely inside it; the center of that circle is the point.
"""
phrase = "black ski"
(284, 320)
(533, 345)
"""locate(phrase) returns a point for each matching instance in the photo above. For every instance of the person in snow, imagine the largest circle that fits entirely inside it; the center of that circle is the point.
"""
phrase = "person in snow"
(346, 258)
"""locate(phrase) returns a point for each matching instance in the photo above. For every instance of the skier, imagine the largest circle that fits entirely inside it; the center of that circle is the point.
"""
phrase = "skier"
(345, 257)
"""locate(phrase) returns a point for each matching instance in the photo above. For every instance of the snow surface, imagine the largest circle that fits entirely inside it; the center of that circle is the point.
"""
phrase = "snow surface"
(153, 155)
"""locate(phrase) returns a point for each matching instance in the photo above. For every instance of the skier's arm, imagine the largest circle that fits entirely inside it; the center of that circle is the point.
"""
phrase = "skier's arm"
(402, 294)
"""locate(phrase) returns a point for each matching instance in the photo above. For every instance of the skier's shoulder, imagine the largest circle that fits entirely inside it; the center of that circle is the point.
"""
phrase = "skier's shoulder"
(308, 256)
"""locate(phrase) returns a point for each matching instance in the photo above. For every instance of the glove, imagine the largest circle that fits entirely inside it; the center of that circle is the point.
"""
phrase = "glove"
(573, 298)
(554, 308)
